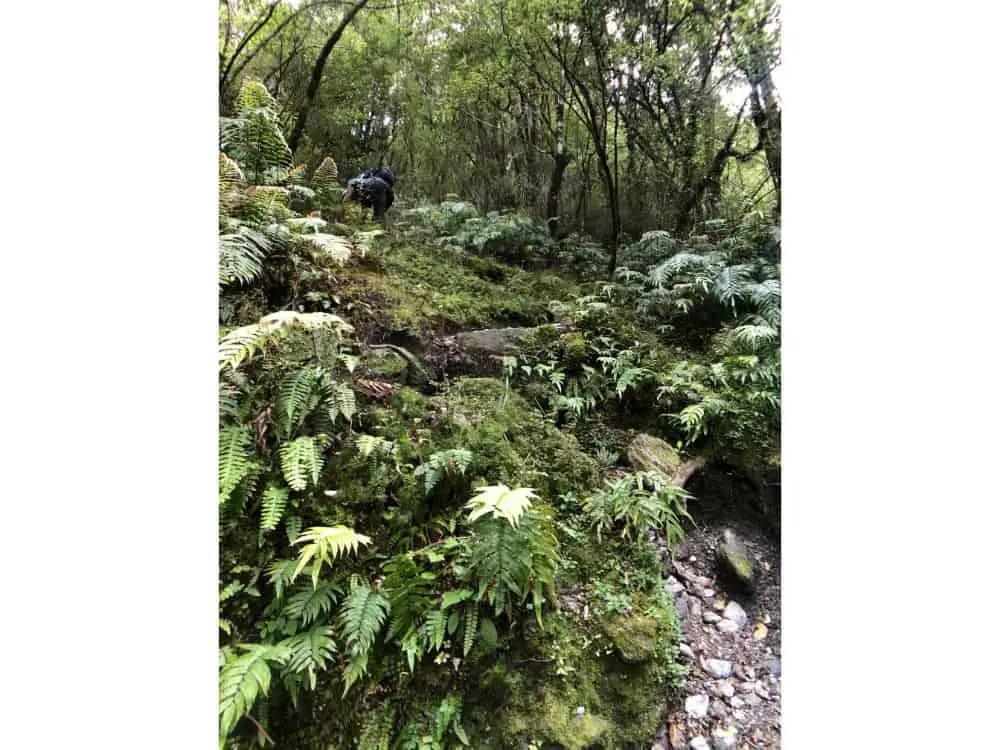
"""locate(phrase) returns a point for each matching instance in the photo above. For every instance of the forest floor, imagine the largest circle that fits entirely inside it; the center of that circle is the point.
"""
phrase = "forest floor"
(732, 639)
(731, 698)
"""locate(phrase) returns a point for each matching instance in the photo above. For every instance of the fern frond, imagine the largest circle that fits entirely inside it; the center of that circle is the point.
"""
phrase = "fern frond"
(471, 620)
(235, 460)
(362, 616)
(301, 461)
(501, 501)
(272, 507)
(344, 402)
(325, 545)
(240, 344)
(310, 652)
(243, 680)
(337, 247)
(325, 176)
(310, 602)
(293, 397)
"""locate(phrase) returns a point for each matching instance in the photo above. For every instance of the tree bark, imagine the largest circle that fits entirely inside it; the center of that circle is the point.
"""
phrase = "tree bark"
(317, 73)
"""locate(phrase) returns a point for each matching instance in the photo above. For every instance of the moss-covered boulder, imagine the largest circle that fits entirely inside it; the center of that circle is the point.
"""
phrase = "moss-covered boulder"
(648, 453)
(734, 560)
(510, 441)
(634, 637)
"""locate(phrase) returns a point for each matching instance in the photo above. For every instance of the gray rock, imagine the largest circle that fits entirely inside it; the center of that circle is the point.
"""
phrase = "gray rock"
(727, 626)
(707, 594)
(723, 689)
(720, 668)
(673, 585)
(773, 666)
(682, 606)
(710, 617)
(740, 715)
(699, 743)
(687, 652)
(696, 706)
(753, 700)
(745, 687)
(744, 673)
(733, 558)
(760, 690)
(736, 702)
(695, 609)
(736, 613)
(717, 709)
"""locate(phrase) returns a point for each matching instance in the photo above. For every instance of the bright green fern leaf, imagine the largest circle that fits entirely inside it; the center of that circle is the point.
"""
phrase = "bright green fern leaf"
(272, 507)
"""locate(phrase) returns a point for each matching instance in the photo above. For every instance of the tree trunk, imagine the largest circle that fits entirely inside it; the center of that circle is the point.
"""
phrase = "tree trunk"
(317, 73)
(555, 186)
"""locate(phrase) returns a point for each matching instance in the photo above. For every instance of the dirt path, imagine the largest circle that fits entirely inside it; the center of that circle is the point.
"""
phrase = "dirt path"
(732, 640)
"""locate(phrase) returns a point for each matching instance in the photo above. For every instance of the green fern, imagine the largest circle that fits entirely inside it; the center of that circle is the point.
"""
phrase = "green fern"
(272, 507)
(235, 459)
(302, 461)
(501, 501)
(454, 461)
(244, 679)
(344, 403)
(310, 652)
(309, 602)
(471, 621)
(325, 176)
(362, 616)
(294, 393)
(324, 544)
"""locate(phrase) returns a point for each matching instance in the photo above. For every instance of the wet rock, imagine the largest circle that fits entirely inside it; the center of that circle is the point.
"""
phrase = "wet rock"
(710, 617)
(734, 560)
(744, 673)
(727, 626)
(696, 706)
(682, 606)
(686, 651)
(736, 613)
(699, 743)
(707, 593)
(695, 609)
(720, 668)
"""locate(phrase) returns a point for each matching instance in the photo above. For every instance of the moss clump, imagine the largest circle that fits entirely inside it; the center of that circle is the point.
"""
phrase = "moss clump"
(574, 348)
(427, 288)
(510, 442)
(555, 720)
(634, 637)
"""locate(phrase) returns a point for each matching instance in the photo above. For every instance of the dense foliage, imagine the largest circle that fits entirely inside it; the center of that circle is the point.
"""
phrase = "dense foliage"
(399, 532)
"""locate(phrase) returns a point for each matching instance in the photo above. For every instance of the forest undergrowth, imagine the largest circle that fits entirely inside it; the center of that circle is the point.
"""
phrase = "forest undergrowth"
(463, 560)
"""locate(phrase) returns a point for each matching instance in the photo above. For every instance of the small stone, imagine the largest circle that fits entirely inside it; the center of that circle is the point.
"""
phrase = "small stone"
(743, 673)
(724, 739)
(699, 743)
(692, 559)
(695, 609)
(710, 617)
(720, 668)
(673, 585)
(706, 593)
(760, 690)
(696, 706)
(736, 613)
(753, 700)
(736, 702)
(580, 711)
(717, 709)
(727, 626)
(686, 651)
(723, 689)
(745, 687)
(681, 605)
(740, 715)
(773, 666)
